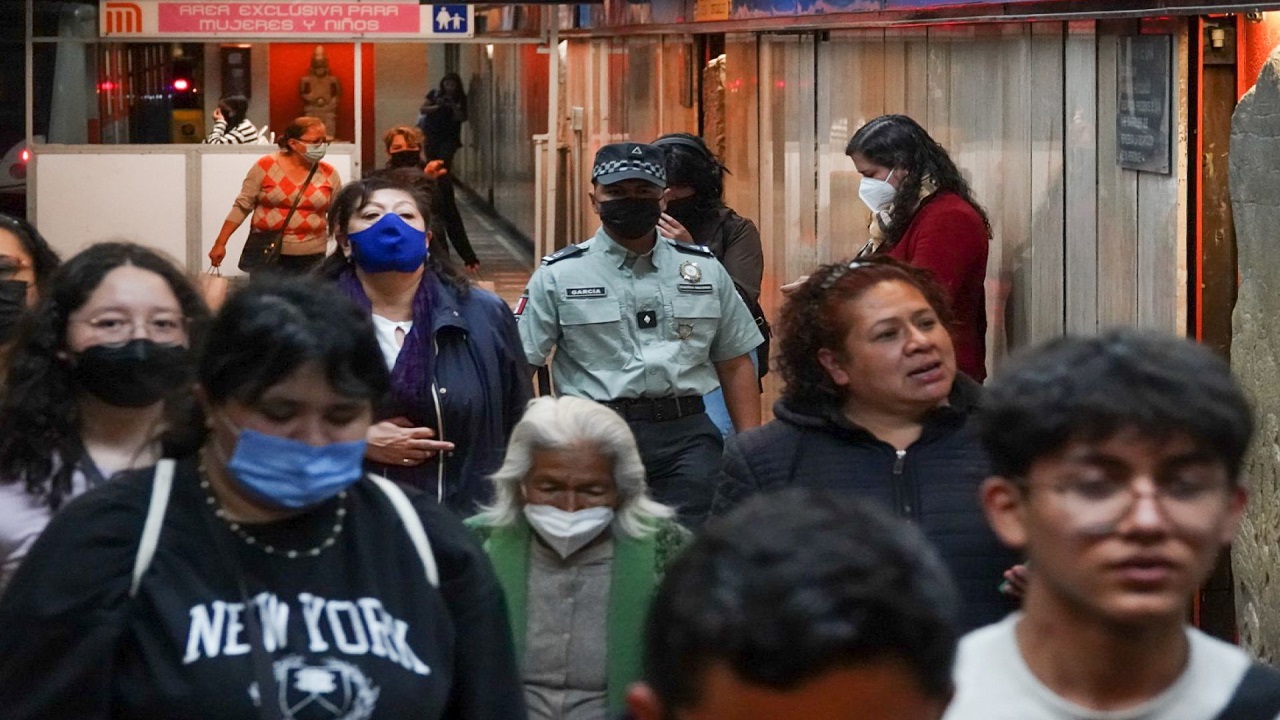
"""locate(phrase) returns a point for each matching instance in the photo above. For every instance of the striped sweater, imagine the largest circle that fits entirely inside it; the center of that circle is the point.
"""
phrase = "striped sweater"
(242, 134)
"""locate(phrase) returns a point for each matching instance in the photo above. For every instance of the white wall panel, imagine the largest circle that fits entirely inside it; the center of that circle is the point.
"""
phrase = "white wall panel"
(171, 200)
(85, 198)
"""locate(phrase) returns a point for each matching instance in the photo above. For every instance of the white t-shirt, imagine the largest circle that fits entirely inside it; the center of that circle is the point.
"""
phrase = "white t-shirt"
(23, 517)
(388, 343)
(994, 683)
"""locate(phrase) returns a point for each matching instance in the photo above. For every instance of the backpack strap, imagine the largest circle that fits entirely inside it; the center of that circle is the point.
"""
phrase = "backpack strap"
(1257, 697)
(161, 487)
(412, 525)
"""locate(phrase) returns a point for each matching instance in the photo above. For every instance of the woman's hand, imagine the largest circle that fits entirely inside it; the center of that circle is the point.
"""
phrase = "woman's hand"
(794, 285)
(217, 254)
(398, 442)
(1015, 581)
(671, 228)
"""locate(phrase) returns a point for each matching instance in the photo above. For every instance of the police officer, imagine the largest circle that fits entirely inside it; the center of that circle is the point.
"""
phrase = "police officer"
(647, 326)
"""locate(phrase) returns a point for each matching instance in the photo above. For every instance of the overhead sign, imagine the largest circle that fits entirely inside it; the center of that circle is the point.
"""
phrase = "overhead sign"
(249, 19)
(451, 20)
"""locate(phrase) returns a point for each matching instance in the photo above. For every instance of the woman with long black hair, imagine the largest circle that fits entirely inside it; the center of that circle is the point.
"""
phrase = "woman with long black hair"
(924, 214)
(99, 383)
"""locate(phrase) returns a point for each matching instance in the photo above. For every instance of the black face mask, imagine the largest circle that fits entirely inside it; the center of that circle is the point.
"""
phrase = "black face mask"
(136, 374)
(405, 158)
(630, 218)
(13, 302)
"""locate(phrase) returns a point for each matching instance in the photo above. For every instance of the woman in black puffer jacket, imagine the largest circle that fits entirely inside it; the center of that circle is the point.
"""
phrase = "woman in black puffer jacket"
(874, 406)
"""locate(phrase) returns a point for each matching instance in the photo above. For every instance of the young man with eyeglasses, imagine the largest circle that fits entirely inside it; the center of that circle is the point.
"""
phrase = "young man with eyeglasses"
(1116, 465)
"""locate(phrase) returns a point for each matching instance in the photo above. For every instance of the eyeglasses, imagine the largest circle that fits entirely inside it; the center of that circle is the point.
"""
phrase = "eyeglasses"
(114, 328)
(1098, 505)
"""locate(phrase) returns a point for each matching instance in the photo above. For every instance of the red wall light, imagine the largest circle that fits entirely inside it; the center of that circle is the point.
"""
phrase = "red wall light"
(181, 85)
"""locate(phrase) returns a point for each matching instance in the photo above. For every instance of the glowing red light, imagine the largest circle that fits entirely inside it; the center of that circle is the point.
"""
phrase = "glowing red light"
(26, 155)
(181, 84)
(780, 84)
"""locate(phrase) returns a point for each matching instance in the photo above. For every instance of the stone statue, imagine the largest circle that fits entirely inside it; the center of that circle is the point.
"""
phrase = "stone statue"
(320, 92)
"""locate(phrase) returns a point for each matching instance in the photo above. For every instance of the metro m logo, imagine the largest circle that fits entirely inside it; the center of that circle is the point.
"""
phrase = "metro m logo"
(122, 17)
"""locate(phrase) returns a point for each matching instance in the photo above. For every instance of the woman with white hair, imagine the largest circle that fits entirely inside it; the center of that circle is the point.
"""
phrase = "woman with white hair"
(579, 548)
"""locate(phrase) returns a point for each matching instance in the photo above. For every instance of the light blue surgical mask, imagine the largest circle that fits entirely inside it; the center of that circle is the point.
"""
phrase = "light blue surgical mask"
(389, 245)
(292, 474)
(316, 151)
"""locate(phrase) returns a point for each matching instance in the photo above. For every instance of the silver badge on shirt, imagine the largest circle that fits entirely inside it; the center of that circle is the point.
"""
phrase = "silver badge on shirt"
(690, 272)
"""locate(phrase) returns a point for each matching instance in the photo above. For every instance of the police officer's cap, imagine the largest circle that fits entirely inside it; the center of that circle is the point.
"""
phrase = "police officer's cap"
(624, 161)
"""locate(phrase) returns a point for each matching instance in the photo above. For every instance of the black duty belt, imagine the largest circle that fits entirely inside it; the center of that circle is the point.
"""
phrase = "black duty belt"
(657, 410)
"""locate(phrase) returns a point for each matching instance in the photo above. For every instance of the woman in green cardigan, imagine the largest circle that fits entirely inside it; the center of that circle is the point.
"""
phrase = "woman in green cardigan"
(579, 549)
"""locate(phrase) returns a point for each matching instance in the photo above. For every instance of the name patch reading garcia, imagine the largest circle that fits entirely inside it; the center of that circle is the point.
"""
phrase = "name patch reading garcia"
(584, 292)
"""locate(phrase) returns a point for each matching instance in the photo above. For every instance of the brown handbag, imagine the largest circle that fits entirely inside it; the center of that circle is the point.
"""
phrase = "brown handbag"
(262, 247)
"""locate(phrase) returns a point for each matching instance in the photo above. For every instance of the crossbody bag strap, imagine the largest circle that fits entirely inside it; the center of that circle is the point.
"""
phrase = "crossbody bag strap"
(412, 525)
(294, 206)
(1257, 697)
(161, 488)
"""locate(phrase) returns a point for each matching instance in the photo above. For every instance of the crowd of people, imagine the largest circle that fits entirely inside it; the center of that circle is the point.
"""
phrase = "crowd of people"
(335, 497)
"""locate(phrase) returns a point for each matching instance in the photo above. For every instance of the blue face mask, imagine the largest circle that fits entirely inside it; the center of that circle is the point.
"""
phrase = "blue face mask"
(389, 245)
(292, 474)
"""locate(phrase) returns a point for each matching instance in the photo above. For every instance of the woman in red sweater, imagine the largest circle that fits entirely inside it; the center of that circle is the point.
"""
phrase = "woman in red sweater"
(924, 214)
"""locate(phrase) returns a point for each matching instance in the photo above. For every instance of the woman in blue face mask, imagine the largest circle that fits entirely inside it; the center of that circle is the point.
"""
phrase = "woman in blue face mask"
(266, 574)
(459, 380)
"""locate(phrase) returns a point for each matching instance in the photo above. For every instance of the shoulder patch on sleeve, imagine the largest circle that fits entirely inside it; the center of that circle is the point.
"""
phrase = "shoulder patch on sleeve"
(702, 250)
(565, 252)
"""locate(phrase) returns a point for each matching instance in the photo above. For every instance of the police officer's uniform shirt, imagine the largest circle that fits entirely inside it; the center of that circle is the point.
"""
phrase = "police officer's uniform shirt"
(634, 326)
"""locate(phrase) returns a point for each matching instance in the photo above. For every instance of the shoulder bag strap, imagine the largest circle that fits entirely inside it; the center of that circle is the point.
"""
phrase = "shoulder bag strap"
(412, 525)
(301, 191)
(1257, 697)
(161, 487)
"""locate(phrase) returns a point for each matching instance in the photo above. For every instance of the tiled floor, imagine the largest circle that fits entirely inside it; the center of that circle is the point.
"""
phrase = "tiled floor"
(505, 260)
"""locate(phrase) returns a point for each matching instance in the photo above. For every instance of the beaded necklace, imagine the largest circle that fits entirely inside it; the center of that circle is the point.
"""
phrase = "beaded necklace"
(340, 517)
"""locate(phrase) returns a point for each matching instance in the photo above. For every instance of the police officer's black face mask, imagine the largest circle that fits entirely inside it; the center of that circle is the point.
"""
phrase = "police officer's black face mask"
(630, 218)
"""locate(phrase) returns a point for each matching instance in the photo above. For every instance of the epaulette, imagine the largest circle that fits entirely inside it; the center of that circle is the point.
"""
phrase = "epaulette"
(567, 251)
(691, 249)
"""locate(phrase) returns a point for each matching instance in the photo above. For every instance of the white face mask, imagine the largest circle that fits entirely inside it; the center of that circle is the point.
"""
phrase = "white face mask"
(567, 532)
(877, 194)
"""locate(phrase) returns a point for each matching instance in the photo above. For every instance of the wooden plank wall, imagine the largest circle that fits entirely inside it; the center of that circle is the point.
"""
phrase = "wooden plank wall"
(1028, 114)
(629, 88)
(1081, 174)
